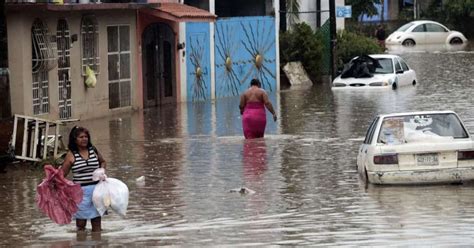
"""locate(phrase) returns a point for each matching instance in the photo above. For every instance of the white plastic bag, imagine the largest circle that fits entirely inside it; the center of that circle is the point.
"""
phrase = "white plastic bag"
(109, 192)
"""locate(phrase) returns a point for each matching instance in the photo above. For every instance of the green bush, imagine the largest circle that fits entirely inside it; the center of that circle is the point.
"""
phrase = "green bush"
(350, 45)
(302, 44)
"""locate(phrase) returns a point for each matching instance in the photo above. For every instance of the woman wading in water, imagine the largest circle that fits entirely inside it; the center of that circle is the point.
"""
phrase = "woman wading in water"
(82, 159)
(252, 108)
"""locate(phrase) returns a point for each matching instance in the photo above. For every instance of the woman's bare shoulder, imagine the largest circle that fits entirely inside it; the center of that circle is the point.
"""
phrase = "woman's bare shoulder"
(262, 91)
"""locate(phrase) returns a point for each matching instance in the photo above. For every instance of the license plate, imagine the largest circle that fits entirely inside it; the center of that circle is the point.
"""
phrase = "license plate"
(427, 159)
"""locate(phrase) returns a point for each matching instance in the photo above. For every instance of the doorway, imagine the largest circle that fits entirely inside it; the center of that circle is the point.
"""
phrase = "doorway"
(158, 58)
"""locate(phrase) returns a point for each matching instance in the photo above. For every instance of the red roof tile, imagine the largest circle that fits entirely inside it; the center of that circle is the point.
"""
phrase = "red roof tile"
(185, 11)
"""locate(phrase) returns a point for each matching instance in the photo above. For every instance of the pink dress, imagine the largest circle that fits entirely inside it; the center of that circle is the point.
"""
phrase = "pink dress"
(254, 120)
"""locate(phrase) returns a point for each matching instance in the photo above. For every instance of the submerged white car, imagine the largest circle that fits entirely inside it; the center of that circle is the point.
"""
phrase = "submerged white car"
(375, 71)
(424, 32)
(417, 148)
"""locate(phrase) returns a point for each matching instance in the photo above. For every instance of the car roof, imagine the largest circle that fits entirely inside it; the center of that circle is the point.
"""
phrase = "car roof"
(417, 113)
(428, 21)
(376, 56)
(424, 21)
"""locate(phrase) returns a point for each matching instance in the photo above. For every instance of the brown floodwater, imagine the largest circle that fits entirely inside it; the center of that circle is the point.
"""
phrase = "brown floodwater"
(307, 191)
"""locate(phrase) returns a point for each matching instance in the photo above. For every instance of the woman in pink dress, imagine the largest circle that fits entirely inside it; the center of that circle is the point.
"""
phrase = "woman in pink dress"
(252, 108)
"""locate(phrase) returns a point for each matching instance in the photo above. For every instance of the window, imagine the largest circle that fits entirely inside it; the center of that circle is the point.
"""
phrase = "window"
(419, 28)
(387, 66)
(404, 65)
(40, 93)
(64, 66)
(419, 128)
(119, 75)
(398, 67)
(90, 46)
(431, 27)
(43, 59)
(370, 131)
(405, 27)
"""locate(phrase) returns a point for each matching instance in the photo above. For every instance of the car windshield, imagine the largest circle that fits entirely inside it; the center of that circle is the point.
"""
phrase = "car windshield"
(387, 66)
(405, 27)
(421, 128)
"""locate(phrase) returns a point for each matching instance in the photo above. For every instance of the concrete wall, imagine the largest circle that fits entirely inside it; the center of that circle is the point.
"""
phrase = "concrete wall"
(86, 102)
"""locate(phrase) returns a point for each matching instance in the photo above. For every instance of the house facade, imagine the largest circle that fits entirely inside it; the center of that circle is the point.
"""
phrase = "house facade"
(140, 54)
(130, 49)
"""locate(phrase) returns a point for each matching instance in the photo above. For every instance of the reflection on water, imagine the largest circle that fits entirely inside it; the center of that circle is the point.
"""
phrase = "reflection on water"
(433, 48)
(303, 172)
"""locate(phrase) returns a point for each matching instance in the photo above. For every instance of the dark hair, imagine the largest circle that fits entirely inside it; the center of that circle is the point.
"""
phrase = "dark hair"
(255, 82)
(75, 131)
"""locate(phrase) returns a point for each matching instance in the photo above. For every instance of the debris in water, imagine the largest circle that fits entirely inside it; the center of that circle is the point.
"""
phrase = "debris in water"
(140, 181)
(242, 190)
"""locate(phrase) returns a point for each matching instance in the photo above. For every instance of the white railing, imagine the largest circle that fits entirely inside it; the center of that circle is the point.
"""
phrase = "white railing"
(32, 140)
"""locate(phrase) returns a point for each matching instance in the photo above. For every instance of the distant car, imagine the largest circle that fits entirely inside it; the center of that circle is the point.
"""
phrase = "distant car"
(417, 147)
(375, 71)
(424, 32)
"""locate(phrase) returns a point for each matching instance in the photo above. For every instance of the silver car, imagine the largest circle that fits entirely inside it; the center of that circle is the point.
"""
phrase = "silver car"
(417, 147)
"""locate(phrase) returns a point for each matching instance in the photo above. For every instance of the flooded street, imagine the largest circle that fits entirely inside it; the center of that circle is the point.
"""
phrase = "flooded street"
(307, 191)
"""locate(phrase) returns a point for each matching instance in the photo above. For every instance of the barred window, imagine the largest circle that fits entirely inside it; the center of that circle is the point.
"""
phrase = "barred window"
(43, 59)
(64, 66)
(89, 44)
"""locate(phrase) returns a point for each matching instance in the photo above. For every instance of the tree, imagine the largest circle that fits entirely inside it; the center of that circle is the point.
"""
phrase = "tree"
(458, 14)
(360, 7)
(458, 10)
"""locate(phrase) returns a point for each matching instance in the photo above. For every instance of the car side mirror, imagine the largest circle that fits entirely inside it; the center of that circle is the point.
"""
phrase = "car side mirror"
(400, 72)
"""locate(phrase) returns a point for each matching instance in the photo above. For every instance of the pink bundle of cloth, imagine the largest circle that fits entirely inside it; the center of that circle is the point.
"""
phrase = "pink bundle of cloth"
(254, 120)
(58, 197)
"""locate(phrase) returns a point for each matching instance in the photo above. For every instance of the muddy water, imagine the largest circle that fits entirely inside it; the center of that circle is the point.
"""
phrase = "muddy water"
(303, 173)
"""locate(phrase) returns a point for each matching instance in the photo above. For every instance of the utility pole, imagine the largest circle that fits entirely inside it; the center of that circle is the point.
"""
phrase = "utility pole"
(332, 31)
(415, 10)
(318, 14)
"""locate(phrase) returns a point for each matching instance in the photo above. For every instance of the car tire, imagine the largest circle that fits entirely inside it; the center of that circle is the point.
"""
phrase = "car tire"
(394, 86)
(455, 41)
(414, 82)
(409, 43)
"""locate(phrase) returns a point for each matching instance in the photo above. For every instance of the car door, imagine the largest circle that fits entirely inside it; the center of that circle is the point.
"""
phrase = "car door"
(402, 73)
(408, 75)
(399, 72)
(419, 34)
(365, 147)
(436, 34)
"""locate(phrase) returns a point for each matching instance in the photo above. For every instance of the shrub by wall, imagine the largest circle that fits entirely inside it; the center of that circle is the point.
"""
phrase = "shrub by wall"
(302, 44)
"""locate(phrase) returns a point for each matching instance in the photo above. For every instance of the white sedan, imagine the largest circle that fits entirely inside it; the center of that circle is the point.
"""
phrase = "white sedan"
(375, 71)
(417, 147)
(424, 32)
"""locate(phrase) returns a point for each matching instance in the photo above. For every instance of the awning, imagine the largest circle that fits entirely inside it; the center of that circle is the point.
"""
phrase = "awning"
(180, 13)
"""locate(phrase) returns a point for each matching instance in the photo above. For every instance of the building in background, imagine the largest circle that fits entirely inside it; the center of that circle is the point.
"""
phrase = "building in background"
(315, 13)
